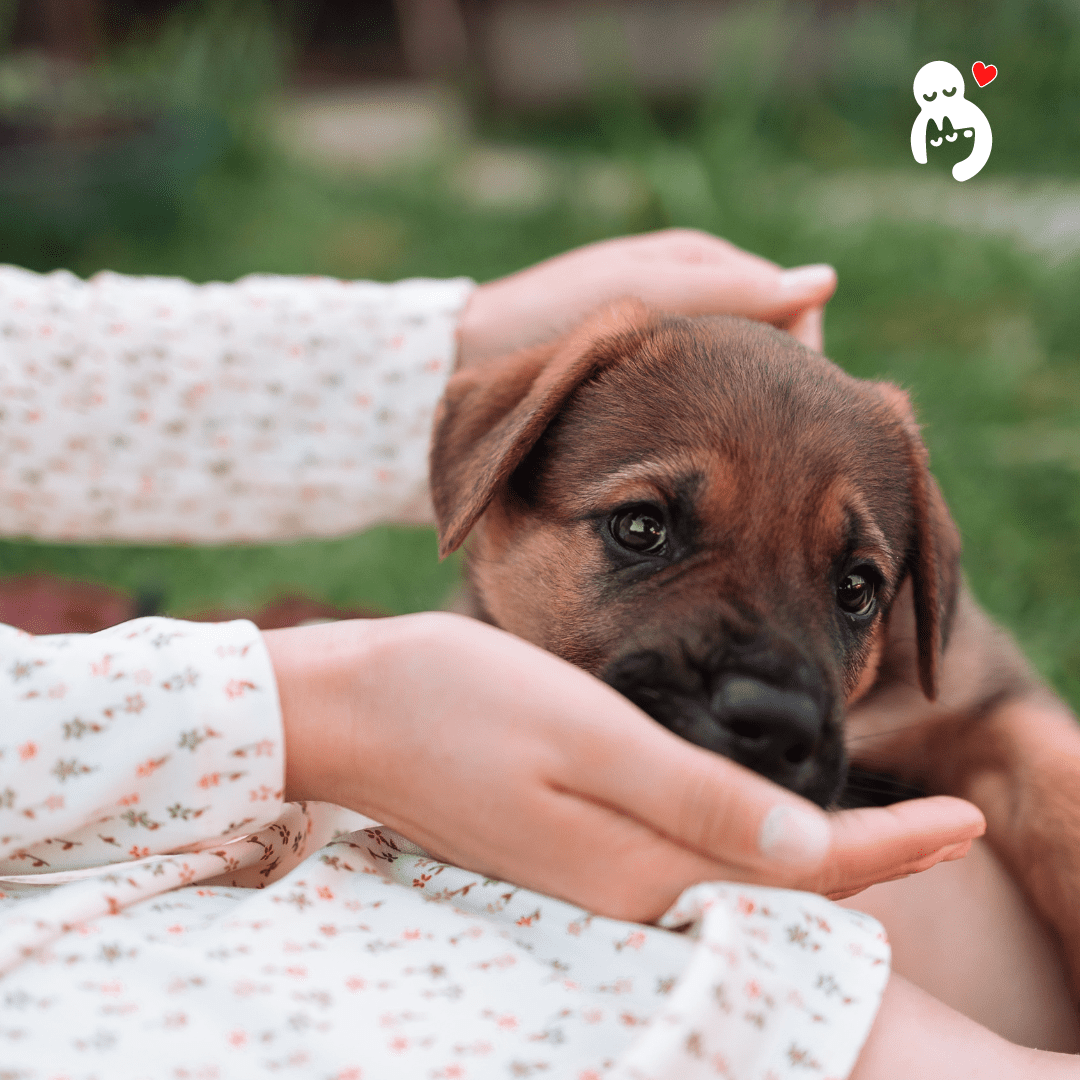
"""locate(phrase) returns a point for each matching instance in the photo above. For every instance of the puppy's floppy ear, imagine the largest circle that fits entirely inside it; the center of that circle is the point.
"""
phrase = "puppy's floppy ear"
(490, 417)
(934, 549)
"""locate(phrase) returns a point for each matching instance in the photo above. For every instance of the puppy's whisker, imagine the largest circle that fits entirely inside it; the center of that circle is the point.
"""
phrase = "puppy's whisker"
(883, 733)
(875, 790)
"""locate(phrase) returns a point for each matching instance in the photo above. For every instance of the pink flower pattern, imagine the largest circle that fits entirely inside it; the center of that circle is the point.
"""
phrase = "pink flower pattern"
(164, 915)
(267, 409)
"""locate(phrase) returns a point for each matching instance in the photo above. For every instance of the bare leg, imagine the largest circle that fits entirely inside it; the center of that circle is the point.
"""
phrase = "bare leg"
(915, 1037)
(964, 933)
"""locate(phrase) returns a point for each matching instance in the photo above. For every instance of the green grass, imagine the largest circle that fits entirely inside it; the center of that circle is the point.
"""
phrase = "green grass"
(388, 568)
(986, 339)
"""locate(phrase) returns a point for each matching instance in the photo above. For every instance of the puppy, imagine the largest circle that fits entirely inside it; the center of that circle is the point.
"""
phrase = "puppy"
(748, 544)
(709, 517)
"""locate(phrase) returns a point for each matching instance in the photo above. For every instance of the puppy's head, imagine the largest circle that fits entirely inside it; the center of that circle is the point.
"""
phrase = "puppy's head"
(707, 515)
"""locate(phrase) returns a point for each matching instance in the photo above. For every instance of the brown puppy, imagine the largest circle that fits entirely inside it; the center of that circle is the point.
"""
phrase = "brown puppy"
(748, 543)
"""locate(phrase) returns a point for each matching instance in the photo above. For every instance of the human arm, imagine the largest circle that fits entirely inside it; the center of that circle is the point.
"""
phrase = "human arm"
(497, 756)
(158, 734)
(144, 738)
(272, 408)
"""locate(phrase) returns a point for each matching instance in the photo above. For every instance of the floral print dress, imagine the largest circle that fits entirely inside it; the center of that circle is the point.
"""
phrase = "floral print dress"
(164, 915)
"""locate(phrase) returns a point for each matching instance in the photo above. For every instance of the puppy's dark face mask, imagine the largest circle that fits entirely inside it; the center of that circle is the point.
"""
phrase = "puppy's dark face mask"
(711, 518)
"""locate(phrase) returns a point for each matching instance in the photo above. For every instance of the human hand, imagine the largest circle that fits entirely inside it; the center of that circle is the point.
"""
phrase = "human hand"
(677, 270)
(499, 757)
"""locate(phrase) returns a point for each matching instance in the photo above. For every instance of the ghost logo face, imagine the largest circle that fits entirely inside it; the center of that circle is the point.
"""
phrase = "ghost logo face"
(938, 80)
(947, 119)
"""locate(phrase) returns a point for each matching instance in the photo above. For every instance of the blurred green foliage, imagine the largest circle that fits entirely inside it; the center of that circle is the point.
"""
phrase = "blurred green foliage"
(985, 336)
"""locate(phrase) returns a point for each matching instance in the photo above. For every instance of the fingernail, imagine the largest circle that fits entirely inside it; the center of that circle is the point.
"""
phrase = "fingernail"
(807, 278)
(790, 835)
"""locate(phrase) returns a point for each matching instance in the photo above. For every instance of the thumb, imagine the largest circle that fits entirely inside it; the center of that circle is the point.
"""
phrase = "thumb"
(755, 289)
(884, 843)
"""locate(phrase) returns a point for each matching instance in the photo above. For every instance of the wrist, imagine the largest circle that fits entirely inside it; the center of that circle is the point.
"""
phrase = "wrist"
(475, 339)
(515, 312)
(315, 668)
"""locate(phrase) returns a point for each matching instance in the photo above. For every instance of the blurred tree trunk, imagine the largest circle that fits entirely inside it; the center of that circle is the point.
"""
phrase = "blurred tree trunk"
(433, 37)
(65, 29)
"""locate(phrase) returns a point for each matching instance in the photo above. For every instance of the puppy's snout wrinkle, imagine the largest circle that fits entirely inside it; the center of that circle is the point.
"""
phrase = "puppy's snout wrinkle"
(770, 724)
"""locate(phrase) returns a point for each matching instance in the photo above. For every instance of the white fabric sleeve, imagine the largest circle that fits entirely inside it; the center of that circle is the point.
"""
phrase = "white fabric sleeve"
(271, 408)
(151, 736)
(781, 985)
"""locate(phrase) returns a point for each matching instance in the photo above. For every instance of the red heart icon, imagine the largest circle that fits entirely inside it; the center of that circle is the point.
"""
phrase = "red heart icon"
(984, 73)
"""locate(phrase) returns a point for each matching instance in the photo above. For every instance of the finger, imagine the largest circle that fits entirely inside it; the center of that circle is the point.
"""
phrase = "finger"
(706, 803)
(946, 854)
(616, 866)
(695, 246)
(752, 288)
(795, 291)
(882, 843)
(730, 816)
(807, 326)
(579, 851)
(957, 851)
(759, 831)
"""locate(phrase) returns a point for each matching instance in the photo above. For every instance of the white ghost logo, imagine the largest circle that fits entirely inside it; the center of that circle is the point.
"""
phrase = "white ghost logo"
(939, 90)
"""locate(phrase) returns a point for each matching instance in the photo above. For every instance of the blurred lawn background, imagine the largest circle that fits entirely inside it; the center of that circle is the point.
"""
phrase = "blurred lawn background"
(162, 153)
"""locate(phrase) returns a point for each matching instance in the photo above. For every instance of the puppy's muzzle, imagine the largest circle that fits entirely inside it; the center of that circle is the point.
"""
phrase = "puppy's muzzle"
(778, 721)
(771, 727)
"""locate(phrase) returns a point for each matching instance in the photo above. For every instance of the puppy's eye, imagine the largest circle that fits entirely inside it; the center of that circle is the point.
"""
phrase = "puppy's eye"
(930, 97)
(640, 529)
(857, 592)
(935, 142)
(947, 93)
(952, 137)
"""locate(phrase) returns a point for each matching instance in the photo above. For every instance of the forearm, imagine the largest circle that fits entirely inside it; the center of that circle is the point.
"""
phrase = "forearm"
(270, 408)
(148, 737)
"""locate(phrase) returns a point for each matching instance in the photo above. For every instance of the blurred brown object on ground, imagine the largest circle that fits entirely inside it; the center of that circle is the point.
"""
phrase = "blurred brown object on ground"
(287, 611)
(43, 604)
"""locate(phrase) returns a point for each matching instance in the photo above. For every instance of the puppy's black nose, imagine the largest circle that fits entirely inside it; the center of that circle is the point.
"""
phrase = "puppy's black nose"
(772, 730)
(768, 708)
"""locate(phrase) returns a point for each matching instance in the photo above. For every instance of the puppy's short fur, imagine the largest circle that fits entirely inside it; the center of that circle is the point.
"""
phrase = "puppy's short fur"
(748, 543)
